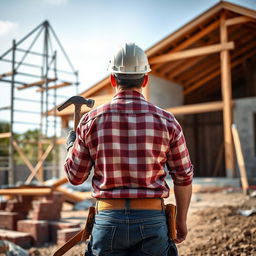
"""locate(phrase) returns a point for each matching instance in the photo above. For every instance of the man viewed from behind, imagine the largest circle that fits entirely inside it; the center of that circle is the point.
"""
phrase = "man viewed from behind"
(129, 141)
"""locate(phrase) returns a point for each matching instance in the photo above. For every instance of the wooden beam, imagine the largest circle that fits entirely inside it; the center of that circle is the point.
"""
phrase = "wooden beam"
(73, 197)
(59, 182)
(238, 20)
(5, 135)
(40, 163)
(226, 90)
(26, 191)
(239, 9)
(240, 160)
(183, 67)
(54, 86)
(6, 74)
(194, 38)
(24, 158)
(203, 50)
(197, 108)
(216, 73)
(38, 83)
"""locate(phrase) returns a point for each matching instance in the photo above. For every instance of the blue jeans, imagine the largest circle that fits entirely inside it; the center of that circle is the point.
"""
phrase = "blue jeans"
(131, 233)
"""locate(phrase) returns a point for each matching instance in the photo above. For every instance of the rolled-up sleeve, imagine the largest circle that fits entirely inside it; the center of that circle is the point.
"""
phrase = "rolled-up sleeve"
(79, 163)
(178, 159)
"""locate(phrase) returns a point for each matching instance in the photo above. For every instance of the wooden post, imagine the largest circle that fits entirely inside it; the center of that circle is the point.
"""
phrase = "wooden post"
(227, 99)
(240, 160)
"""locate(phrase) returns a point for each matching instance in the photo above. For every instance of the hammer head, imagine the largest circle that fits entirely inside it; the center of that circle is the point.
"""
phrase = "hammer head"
(77, 100)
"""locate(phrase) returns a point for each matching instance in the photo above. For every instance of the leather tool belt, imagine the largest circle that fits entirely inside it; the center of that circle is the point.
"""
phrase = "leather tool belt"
(133, 204)
(120, 204)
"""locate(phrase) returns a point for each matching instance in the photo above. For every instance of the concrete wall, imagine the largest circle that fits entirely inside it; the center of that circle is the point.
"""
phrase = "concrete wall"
(164, 93)
(244, 114)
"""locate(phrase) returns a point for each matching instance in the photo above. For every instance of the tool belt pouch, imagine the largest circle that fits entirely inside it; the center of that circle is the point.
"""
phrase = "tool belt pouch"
(170, 211)
(89, 224)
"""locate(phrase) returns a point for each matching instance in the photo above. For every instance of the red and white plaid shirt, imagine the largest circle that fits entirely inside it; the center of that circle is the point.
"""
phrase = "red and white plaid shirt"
(129, 141)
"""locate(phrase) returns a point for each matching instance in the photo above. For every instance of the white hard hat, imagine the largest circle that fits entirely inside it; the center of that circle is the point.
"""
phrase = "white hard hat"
(129, 59)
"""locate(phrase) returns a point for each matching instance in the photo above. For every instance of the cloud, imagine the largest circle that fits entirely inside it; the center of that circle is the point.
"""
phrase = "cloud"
(57, 2)
(7, 26)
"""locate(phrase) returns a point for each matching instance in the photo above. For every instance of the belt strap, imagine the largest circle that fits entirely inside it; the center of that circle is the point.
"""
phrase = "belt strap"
(136, 204)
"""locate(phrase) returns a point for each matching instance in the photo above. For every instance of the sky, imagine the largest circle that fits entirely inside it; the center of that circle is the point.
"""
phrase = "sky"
(90, 31)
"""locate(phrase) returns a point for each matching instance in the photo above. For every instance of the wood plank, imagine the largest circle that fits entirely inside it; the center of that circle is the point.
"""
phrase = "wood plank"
(24, 157)
(38, 83)
(226, 90)
(5, 135)
(197, 108)
(6, 74)
(26, 191)
(40, 163)
(194, 38)
(54, 86)
(60, 182)
(240, 159)
(238, 20)
(73, 197)
(203, 50)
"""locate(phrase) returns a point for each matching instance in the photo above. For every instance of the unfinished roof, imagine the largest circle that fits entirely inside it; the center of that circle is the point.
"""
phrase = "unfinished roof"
(190, 55)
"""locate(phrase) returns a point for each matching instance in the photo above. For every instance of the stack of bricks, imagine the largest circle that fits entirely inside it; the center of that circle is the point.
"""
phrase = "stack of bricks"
(42, 227)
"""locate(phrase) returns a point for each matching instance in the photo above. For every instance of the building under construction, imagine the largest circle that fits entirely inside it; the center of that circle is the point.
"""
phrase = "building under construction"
(205, 74)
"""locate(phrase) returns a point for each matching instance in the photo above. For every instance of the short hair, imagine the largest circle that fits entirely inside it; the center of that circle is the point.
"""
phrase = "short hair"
(126, 81)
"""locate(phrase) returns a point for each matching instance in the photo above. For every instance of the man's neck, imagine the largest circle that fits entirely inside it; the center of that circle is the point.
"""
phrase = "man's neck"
(118, 89)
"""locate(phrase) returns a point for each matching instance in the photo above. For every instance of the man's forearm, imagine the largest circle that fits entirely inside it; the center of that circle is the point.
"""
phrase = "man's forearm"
(183, 197)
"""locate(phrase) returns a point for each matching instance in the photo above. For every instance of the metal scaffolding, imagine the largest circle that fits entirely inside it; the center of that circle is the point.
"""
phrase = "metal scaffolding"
(50, 77)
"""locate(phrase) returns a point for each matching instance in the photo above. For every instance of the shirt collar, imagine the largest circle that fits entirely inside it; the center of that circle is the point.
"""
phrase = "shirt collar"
(128, 94)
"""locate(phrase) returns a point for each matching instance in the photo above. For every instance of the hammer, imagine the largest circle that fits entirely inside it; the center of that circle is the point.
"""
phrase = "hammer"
(78, 101)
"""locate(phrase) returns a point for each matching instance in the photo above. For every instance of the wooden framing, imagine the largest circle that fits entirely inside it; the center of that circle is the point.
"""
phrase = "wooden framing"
(38, 83)
(64, 84)
(6, 74)
(227, 98)
(194, 38)
(5, 135)
(237, 20)
(40, 163)
(204, 50)
(216, 73)
(197, 108)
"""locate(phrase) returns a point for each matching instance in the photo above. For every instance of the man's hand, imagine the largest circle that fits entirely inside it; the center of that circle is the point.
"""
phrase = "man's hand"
(70, 139)
(182, 231)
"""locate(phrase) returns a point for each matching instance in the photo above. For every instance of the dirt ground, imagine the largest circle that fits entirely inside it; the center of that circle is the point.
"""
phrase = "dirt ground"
(215, 227)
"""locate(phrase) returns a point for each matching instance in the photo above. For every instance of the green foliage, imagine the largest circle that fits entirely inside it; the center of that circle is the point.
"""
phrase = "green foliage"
(4, 143)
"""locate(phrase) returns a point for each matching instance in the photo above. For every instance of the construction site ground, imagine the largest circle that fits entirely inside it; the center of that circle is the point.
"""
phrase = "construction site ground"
(215, 226)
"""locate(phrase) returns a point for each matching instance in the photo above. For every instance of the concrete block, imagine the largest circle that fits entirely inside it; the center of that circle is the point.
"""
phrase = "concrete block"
(54, 226)
(38, 229)
(64, 235)
(8, 220)
(19, 238)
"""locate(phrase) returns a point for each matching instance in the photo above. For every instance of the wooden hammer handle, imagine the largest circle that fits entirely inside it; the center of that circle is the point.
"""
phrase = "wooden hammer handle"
(77, 115)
